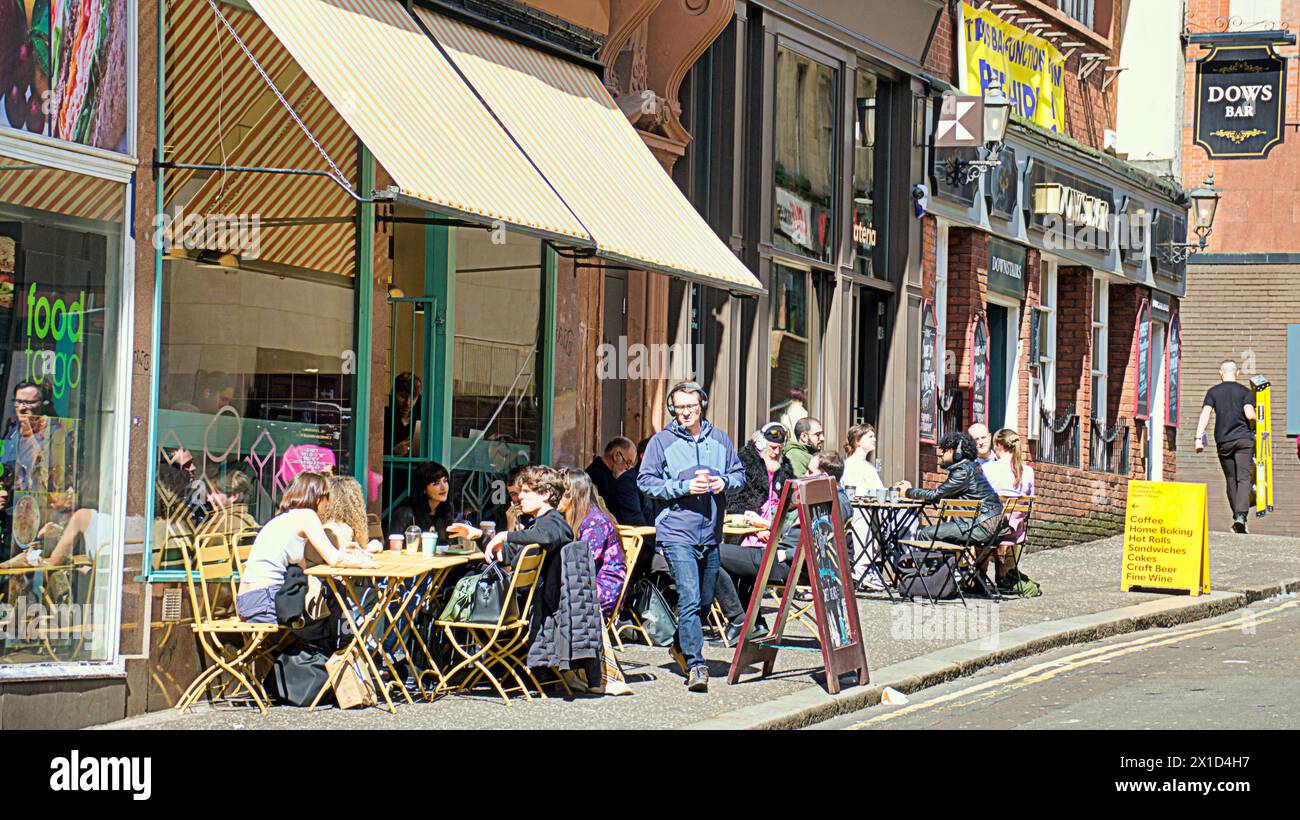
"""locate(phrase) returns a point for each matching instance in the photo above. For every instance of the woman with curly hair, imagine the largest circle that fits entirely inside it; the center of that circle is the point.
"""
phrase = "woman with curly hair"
(345, 513)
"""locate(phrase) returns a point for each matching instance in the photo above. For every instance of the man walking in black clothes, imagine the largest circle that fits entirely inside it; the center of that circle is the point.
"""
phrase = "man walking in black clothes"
(1234, 413)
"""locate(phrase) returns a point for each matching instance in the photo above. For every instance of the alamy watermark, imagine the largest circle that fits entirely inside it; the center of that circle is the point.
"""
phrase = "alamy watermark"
(622, 361)
(228, 233)
(923, 622)
(1099, 231)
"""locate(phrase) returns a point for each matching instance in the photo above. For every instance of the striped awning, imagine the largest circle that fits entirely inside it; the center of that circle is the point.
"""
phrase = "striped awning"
(405, 101)
(28, 185)
(567, 123)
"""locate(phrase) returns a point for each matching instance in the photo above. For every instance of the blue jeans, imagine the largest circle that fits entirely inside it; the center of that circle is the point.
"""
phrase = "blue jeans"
(694, 570)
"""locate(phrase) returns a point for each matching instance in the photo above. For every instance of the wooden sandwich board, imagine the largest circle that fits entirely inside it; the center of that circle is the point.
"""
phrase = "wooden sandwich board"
(815, 500)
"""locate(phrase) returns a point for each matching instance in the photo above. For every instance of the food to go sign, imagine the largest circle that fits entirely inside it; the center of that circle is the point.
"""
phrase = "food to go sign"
(1166, 544)
(61, 325)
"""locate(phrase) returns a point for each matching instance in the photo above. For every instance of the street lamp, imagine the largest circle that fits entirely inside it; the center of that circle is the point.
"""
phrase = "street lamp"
(997, 114)
(1205, 202)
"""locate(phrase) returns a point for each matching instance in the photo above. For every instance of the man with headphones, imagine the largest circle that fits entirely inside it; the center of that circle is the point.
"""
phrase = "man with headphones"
(687, 470)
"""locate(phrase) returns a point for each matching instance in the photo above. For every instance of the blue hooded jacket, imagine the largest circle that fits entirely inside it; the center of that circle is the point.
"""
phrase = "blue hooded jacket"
(671, 459)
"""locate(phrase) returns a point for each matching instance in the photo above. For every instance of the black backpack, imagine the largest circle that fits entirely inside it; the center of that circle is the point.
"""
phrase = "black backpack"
(923, 573)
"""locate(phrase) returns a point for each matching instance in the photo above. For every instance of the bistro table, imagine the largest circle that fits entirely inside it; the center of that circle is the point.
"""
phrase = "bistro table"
(399, 577)
(887, 522)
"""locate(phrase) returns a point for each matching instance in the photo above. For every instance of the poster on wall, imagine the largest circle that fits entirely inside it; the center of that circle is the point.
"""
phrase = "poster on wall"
(1142, 395)
(1030, 69)
(1240, 102)
(63, 70)
(1173, 370)
(929, 412)
(979, 371)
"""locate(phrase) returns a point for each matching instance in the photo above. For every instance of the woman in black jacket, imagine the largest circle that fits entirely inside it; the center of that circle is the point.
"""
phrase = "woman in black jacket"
(965, 481)
(428, 506)
(766, 470)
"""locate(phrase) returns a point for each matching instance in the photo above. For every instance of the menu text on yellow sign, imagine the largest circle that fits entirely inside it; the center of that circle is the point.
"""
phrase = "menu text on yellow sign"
(1166, 542)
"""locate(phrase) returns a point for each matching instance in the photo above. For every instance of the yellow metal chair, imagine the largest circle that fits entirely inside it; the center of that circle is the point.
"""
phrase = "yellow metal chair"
(632, 543)
(498, 644)
(960, 553)
(213, 563)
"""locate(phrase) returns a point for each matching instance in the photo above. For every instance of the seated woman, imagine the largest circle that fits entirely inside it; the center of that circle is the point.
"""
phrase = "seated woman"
(283, 541)
(585, 511)
(860, 472)
(1010, 476)
(345, 517)
(428, 506)
(588, 516)
(540, 489)
(966, 481)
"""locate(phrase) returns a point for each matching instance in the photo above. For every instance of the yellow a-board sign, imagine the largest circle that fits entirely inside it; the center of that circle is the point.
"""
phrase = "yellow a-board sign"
(1166, 537)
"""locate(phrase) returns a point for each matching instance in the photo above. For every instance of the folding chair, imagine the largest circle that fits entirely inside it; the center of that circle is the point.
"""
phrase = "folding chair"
(213, 563)
(956, 554)
(1016, 511)
(632, 543)
(498, 644)
(59, 599)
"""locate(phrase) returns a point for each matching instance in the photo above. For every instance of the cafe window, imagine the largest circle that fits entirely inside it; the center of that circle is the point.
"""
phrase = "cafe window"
(795, 346)
(60, 275)
(805, 156)
(256, 385)
(865, 211)
(496, 407)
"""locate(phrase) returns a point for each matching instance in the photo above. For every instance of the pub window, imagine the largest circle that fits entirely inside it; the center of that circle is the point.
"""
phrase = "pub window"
(805, 156)
(1100, 340)
(1044, 384)
(795, 343)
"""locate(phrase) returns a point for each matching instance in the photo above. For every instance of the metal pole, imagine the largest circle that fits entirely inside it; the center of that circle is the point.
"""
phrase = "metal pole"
(365, 284)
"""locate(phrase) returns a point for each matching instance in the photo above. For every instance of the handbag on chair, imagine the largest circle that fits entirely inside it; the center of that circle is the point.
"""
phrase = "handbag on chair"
(652, 610)
(491, 597)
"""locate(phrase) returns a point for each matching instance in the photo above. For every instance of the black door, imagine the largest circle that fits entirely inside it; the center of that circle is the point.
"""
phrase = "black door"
(871, 355)
(997, 367)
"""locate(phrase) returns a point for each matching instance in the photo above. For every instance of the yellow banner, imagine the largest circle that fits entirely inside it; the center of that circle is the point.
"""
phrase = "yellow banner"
(1031, 70)
(1166, 542)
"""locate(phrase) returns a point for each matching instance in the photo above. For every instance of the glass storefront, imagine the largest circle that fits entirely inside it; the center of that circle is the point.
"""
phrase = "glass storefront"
(61, 251)
(256, 384)
(484, 398)
(805, 156)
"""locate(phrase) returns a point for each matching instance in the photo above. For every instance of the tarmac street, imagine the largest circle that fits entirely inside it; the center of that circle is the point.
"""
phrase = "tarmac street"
(1236, 671)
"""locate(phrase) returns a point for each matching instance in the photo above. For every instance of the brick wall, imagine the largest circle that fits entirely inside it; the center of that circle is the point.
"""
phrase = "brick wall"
(1090, 109)
(1259, 211)
(1240, 313)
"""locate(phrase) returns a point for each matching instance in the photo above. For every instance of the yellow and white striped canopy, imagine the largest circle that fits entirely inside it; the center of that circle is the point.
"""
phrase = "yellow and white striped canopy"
(404, 100)
(569, 125)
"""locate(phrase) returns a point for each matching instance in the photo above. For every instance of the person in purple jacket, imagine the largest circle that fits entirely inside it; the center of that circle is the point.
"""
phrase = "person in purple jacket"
(688, 468)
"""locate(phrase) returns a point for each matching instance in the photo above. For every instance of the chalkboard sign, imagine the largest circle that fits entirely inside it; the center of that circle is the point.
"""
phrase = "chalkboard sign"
(929, 375)
(979, 370)
(1142, 395)
(1173, 367)
(815, 500)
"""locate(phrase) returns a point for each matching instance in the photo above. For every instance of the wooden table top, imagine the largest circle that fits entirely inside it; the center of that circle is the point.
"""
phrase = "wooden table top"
(394, 564)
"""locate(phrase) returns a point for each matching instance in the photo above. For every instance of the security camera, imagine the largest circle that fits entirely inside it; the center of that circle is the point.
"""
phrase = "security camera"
(920, 199)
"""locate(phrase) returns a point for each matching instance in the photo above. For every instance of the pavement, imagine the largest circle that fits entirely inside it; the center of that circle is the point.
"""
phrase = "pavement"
(909, 647)
(1236, 671)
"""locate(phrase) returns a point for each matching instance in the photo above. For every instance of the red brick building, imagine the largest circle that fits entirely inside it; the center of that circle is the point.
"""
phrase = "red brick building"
(1243, 299)
(1088, 321)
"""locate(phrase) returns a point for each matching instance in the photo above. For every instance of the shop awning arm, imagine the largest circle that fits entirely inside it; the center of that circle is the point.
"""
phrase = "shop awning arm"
(375, 197)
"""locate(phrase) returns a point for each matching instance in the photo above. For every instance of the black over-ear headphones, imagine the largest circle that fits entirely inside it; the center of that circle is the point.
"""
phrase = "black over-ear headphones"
(692, 387)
